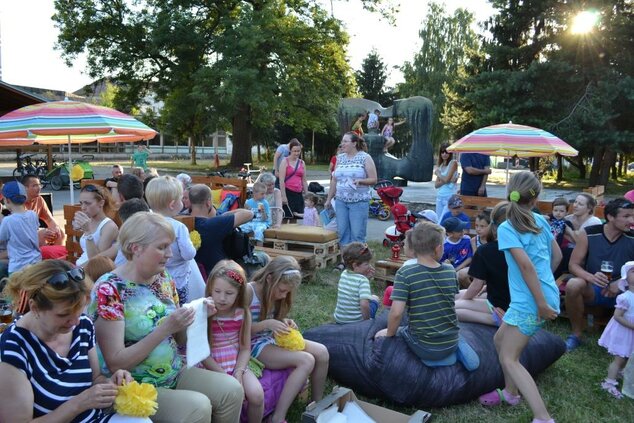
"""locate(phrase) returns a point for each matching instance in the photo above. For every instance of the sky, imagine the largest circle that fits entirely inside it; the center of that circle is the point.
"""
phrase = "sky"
(28, 35)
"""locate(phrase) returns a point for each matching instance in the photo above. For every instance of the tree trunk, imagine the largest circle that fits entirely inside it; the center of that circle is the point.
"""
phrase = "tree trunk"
(609, 157)
(241, 124)
(560, 168)
(192, 148)
(597, 160)
(582, 168)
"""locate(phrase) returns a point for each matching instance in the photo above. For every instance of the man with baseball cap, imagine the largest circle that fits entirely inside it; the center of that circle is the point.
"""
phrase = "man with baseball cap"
(612, 241)
(19, 229)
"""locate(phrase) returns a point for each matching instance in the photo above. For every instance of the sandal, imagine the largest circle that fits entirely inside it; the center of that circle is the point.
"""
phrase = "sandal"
(499, 396)
(610, 387)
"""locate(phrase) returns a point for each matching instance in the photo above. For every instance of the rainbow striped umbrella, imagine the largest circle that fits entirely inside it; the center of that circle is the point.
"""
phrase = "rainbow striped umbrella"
(509, 140)
(70, 122)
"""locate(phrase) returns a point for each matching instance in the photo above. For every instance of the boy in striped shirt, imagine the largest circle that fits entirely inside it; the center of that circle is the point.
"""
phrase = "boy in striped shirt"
(427, 288)
(355, 301)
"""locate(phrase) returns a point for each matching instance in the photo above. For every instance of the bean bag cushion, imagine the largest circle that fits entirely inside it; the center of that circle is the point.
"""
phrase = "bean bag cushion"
(272, 382)
(387, 369)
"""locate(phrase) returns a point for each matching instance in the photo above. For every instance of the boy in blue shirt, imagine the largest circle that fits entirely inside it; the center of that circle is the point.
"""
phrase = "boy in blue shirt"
(261, 213)
(454, 204)
(19, 229)
(457, 248)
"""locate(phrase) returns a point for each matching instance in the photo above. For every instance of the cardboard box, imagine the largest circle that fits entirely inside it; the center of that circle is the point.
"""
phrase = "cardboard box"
(341, 396)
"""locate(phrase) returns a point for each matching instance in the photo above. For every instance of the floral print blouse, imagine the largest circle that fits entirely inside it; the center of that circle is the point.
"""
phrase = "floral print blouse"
(142, 307)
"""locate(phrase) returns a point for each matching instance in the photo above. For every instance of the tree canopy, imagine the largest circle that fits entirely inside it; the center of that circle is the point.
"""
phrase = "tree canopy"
(371, 79)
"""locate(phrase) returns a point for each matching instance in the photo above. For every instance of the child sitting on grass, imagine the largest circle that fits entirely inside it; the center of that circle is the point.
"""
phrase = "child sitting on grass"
(428, 289)
(19, 229)
(355, 301)
(457, 247)
(261, 213)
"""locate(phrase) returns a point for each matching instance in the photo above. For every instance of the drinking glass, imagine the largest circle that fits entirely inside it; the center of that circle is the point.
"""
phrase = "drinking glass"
(606, 268)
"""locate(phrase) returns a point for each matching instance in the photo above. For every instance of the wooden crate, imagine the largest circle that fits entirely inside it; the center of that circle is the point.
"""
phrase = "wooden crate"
(325, 253)
(386, 270)
(306, 260)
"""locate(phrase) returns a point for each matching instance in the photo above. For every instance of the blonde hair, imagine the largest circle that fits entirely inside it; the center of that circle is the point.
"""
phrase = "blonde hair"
(281, 270)
(259, 187)
(138, 172)
(98, 266)
(232, 273)
(162, 190)
(32, 283)
(355, 253)
(523, 188)
(424, 238)
(143, 228)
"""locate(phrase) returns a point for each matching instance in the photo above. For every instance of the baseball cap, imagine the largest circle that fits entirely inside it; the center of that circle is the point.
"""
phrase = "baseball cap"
(15, 192)
(624, 269)
(427, 215)
(453, 224)
(454, 202)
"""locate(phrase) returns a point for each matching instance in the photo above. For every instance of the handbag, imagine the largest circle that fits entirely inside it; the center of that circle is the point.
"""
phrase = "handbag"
(236, 245)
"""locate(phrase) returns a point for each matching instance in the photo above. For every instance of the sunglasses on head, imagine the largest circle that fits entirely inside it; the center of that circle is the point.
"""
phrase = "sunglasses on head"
(59, 280)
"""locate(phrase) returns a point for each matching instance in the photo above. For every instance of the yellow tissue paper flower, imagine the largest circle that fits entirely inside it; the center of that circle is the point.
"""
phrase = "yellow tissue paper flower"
(293, 341)
(196, 239)
(136, 399)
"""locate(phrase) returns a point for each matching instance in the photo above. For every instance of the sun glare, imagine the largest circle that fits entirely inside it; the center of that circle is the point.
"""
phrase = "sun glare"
(584, 22)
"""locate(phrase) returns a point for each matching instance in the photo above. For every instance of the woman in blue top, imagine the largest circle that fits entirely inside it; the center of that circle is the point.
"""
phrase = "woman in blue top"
(532, 255)
(350, 187)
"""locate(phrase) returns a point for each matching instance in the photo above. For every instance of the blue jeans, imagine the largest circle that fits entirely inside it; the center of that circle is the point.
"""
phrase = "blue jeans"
(352, 221)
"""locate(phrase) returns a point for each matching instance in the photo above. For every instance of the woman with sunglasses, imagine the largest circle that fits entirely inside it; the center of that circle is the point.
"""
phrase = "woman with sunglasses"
(139, 327)
(446, 178)
(99, 231)
(48, 362)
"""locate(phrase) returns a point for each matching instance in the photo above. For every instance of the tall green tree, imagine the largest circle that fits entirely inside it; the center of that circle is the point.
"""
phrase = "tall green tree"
(447, 43)
(371, 79)
(246, 64)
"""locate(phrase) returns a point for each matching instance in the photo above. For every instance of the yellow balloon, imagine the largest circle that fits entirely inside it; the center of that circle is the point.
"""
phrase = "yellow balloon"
(77, 173)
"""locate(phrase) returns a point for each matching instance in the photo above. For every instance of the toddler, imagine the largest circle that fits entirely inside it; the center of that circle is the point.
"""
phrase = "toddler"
(618, 336)
(559, 226)
(19, 229)
(230, 333)
(355, 301)
(261, 213)
(164, 195)
(311, 215)
(455, 206)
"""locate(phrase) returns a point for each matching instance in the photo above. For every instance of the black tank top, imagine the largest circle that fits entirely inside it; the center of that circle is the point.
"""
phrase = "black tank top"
(600, 248)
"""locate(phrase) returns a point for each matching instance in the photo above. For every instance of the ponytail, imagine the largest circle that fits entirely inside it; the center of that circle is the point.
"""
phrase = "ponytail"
(523, 189)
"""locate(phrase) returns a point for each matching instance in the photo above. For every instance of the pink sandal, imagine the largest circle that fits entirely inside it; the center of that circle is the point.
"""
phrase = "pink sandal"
(610, 387)
(499, 396)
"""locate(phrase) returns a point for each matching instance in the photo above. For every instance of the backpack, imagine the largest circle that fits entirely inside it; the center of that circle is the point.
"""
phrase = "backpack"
(236, 245)
(316, 187)
(226, 204)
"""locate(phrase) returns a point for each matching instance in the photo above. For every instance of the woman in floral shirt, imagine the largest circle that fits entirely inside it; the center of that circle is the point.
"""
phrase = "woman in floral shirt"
(139, 327)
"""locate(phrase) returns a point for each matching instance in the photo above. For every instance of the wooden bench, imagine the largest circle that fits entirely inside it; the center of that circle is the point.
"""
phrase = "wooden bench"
(97, 182)
(385, 270)
(305, 259)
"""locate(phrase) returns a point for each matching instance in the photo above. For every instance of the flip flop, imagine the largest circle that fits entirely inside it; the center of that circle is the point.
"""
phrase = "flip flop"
(497, 397)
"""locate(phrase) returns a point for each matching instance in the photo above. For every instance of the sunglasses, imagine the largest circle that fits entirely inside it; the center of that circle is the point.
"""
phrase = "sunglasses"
(59, 280)
(92, 188)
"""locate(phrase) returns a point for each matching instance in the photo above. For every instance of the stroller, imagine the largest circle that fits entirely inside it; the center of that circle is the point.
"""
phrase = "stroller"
(404, 220)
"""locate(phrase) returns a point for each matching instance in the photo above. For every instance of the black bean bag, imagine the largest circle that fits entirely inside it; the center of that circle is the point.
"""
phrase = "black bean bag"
(387, 369)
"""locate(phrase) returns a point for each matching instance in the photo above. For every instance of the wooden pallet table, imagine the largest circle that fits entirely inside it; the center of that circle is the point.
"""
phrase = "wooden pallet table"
(306, 260)
(325, 253)
(385, 270)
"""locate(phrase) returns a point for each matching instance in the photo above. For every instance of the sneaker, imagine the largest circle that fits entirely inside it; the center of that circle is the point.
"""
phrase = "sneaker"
(572, 342)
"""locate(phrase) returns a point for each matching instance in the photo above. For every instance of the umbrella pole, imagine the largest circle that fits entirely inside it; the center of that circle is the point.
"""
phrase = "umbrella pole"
(70, 171)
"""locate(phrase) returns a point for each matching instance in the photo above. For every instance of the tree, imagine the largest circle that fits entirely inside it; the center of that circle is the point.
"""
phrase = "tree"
(371, 79)
(447, 42)
(243, 63)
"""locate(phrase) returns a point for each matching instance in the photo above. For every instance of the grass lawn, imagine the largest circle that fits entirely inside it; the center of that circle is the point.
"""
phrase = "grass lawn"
(570, 387)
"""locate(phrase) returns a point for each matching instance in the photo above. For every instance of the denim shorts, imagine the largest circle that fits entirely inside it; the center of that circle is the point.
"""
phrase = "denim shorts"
(374, 306)
(527, 323)
(600, 299)
(423, 352)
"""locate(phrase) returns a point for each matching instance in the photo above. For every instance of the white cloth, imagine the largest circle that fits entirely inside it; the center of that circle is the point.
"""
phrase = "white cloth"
(83, 259)
(196, 282)
(197, 339)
